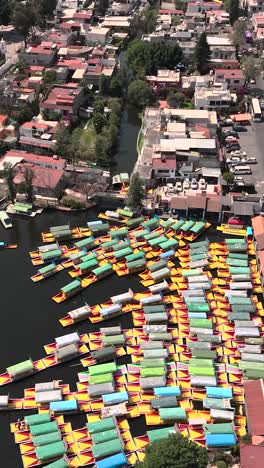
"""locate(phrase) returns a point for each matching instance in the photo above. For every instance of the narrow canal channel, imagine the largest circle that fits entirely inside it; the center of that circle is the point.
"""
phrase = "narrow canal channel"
(126, 155)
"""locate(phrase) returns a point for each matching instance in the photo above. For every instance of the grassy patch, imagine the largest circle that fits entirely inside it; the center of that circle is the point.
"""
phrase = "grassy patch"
(140, 142)
(88, 136)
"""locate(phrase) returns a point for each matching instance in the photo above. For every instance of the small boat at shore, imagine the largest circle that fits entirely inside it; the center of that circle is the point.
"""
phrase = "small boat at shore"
(78, 284)
(5, 220)
(4, 245)
(46, 272)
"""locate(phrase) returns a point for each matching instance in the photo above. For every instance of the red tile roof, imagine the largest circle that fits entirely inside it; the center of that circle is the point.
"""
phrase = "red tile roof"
(35, 158)
(72, 64)
(42, 177)
(72, 24)
(34, 125)
(171, 12)
(157, 164)
(235, 73)
(83, 15)
(3, 119)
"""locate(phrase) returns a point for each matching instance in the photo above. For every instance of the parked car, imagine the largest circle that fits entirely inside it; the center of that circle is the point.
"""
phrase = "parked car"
(232, 147)
(194, 184)
(240, 128)
(233, 159)
(230, 140)
(250, 160)
(240, 153)
(178, 187)
(240, 170)
(202, 184)
(186, 184)
(238, 178)
(230, 133)
(235, 221)
(226, 123)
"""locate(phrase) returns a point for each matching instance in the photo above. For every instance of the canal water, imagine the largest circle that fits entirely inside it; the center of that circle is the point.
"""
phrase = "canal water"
(126, 155)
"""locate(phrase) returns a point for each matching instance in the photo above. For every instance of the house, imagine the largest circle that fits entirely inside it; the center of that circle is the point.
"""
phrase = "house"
(46, 162)
(221, 47)
(213, 97)
(39, 137)
(254, 6)
(233, 78)
(202, 7)
(164, 168)
(64, 99)
(14, 95)
(7, 131)
(45, 182)
(224, 64)
(117, 23)
(98, 35)
(43, 54)
(172, 12)
(164, 79)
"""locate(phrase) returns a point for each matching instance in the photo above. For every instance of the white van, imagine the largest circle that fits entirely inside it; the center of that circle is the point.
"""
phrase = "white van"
(240, 170)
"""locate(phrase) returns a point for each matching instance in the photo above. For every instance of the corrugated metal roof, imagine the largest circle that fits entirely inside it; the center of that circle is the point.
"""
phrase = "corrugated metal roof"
(254, 396)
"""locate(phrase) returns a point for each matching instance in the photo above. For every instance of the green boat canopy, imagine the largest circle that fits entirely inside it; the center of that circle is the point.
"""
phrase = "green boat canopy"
(71, 286)
(39, 418)
(47, 452)
(20, 368)
(44, 428)
(107, 448)
(51, 254)
(135, 256)
(87, 242)
(170, 414)
(103, 270)
(169, 244)
(157, 434)
(198, 227)
(101, 425)
(47, 269)
(87, 266)
(102, 368)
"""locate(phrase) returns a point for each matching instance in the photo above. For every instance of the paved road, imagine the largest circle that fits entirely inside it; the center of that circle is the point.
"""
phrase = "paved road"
(252, 142)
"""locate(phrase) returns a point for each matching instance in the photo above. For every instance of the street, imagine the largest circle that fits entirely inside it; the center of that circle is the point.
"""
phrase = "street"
(252, 142)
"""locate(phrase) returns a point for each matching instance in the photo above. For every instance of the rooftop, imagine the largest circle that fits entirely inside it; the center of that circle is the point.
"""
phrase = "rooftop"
(42, 177)
(33, 158)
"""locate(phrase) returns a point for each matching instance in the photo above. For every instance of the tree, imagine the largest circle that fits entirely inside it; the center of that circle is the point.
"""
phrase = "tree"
(99, 122)
(232, 6)
(115, 88)
(238, 33)
(150, 19)
(104, 83)
(5, 11)
(98, 106)
(136, 194)
(47, 7)
(202, 53)
(3, 148)
(63, 140)
(25, 19)
(28, 178)
(251, 67)
(228, 177)
(8, 176)
(49, 76)
(175, 452)
(24, 114)
(101, 150)
(140, 94)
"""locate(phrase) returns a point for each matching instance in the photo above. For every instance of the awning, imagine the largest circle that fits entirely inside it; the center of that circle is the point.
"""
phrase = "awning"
(241, 117)
(211, 172)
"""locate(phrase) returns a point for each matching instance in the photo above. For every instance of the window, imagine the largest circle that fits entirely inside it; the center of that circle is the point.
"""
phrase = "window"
(236, 81)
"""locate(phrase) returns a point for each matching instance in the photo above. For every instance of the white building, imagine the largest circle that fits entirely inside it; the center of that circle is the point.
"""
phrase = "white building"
(213, 97)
